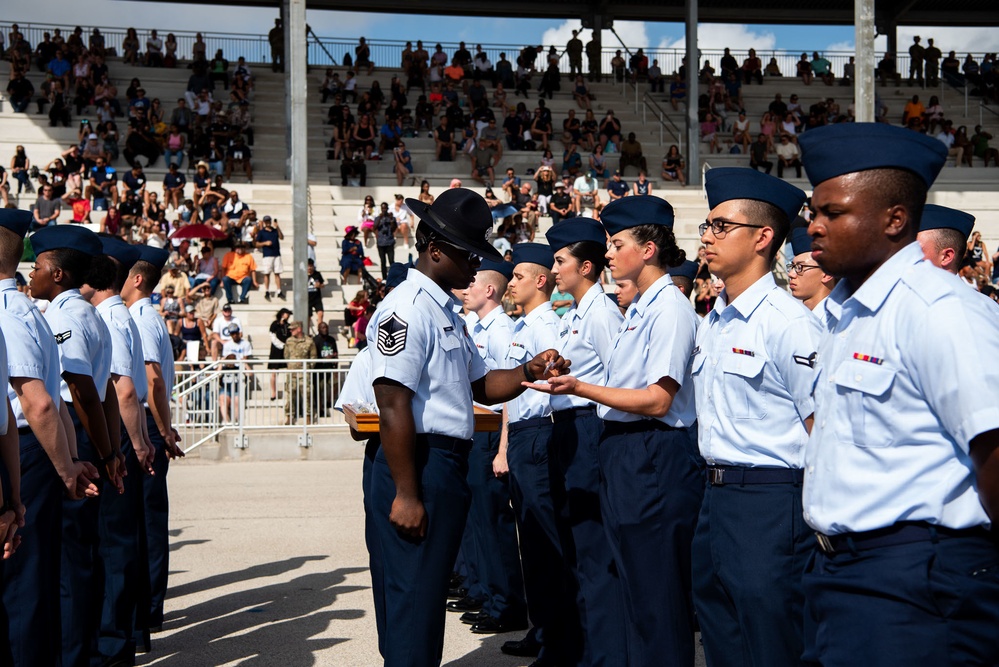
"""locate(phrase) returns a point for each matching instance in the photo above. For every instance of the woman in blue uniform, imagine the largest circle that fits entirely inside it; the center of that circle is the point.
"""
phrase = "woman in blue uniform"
(586, 336)
(651, 482)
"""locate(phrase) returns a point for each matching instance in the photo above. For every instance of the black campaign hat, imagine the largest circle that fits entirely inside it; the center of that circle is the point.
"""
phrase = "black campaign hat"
(460, 216)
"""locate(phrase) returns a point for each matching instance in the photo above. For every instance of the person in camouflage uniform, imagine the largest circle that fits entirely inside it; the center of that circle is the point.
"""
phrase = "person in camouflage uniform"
(298, 346)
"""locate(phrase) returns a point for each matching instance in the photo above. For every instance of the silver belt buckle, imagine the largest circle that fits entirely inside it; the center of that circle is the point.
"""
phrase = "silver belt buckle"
(716, 476)
(825, 544)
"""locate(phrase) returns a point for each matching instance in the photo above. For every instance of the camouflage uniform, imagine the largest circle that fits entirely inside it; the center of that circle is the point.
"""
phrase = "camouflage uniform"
(297, 400)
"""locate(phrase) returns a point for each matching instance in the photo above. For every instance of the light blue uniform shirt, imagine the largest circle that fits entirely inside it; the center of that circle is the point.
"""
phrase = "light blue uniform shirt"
(418, 339)
(83, 339)
(532, 334)
(906, 378)
(491, 336)
(586, 338)
(753, 375)
(156, 347)
(4, 377)
(31, 349)
(655, 341)
(126, 344)
(357, 386)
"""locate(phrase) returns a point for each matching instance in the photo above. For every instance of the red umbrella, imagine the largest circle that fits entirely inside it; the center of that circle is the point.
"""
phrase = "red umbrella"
(199, 231)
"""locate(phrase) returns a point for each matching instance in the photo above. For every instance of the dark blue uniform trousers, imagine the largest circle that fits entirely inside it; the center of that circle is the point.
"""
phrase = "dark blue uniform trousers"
(416, 572)
(750, 550)
(491, 531)
(119, 551)
(550, 603)
(31, 576)
(919, 604)
(5, 657)
(156, 508)
(375, 567)
(600, 599)
(651, 487)
(81, 582)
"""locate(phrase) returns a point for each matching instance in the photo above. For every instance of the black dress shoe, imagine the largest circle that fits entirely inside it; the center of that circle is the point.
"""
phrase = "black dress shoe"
(524, 648)
(465, 604)
(473, 617)
(494, 626)
(456, 593)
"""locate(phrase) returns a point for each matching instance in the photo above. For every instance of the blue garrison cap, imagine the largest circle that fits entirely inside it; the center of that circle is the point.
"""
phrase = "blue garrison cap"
(15, 220)
(534, 253)
(126, 253)
(155, 256)
(833, 150)
(629, 212)
(726, 183)
(800, 240)
(941, 217)
(574, 230)
(74, 237)
(686, 270)
(503, 268)
(396, 274)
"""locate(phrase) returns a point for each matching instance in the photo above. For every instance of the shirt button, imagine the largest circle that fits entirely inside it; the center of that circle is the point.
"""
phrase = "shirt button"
(823, 424)
(858, 378)
(842, 335)
(714, 362)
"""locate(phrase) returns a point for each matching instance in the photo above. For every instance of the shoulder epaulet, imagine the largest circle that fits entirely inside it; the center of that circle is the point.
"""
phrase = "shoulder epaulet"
(929, 283)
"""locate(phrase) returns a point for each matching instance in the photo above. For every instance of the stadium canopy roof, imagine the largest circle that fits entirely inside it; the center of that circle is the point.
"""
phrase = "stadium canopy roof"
(805, 12)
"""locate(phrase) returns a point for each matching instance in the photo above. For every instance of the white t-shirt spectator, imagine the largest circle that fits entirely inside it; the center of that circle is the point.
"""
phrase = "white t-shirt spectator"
(221, 327)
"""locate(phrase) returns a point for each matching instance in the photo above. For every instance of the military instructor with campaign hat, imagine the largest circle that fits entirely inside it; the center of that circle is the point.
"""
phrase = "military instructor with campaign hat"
(902, 466)
(426, 374)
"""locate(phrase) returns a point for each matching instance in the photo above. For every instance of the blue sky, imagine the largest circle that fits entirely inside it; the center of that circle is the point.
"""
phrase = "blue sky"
(120, 13)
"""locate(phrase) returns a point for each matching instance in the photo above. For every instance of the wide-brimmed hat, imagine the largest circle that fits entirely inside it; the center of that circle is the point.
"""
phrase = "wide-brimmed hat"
(462, 217)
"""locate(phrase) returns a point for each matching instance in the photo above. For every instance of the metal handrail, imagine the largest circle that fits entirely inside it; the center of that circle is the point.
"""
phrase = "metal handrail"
(665, 122)
(982, 106)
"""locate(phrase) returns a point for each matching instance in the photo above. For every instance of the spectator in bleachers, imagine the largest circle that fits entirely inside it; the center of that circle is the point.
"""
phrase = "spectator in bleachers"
(20, 91)
(59, 110)
(933, 115)
(60, 68)
(673, 166)
(44, 52)
(912, 115)
(822, 68)
(768, 128)
(849, 71)
(759, 153)
(631, 154)
(946, 136)
(788, 155)
(617, 187)
(962, 142)
(130, 48)
(980, 145)
(173, 186)
(92, 149)
(47, 208)
(728, 63)
(130, 210)
(20, 168)
(888, 70)
(752, 67)
(707, 73)
(4, 188)
(587, 193)
(351, 255)
(241, 122)
(803, 70)
(59, 175)
(170, 51)
(106, 94)
(239, 268)
(141, 141)
(102, 186)
(154, 50)
(950, 67)
(239, 154)
(218, 69)
(610, 131)
(74, 44)
(709, 127)
(677, 92)
(791, 126)
(740, 131)
(353, 167)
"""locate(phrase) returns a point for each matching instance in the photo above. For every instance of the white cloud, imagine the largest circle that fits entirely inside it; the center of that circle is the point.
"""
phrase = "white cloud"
(720, 35)
(961, 40)
(841, 46)
(632, 33)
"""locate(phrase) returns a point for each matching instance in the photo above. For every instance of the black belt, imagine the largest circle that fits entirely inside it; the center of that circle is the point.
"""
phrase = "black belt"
(895, 535)
(23, 430)
(737, 475)
(640, 426)
(445, 442)
(533, 422)
(572, 413)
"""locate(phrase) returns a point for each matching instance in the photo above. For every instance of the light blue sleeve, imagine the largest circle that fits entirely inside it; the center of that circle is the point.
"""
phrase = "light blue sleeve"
(74, 355)
(400, 342)
(794, 351)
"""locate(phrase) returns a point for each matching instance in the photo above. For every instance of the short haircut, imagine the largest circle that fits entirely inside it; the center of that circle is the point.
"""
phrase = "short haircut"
(149, 273)
(765, 213)
(94, 270)
(943, 238)
(11, 250)
(670, 254)
(536, 270)
(896, 187)
(494, 278)
(592, 252)
(684, 283)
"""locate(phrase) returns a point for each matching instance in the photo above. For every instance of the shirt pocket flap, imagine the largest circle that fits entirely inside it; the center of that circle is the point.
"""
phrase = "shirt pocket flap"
(450, 341)
(865, 377)
(697, 363)
(517, 352)
(743, 365)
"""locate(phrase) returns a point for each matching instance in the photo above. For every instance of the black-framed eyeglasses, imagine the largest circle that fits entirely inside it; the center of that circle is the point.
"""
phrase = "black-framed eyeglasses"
(719, 228)
(466, 254)
(799, 268)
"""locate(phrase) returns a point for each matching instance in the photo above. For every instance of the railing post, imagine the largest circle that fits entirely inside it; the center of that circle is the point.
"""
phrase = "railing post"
(660, 129)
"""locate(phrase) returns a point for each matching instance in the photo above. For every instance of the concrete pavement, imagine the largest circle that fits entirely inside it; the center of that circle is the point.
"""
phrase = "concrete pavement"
(268, 568)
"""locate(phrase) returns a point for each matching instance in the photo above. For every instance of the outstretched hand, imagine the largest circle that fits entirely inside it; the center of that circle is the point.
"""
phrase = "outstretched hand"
(559, 385)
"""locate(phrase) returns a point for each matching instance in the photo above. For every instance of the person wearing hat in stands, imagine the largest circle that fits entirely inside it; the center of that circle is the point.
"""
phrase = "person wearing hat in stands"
(489, 543)
(220, 330)
(280, 332)
(158, 353)
(651, 481)
(425, 374)
(67, 257)
(49, 466)
(684, 276)
(806, 279)
(753, 373)
(943, 236)
(234, 349)
(550, 602)
(902, 467)
(119, 546)
(560, 206)
(586, 336)
(351, 255)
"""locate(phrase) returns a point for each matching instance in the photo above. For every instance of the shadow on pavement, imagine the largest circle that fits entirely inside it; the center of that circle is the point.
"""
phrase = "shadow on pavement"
(177, 546)
(488, 653)
(267, 625)
(253, 572)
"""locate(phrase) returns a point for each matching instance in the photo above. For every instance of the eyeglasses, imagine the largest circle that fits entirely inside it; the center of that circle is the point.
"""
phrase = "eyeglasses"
(719, 228)
(799, 268)
(471, 256)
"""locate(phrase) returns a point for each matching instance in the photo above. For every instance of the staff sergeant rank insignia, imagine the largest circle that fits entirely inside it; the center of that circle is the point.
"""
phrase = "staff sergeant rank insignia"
(392, 335)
